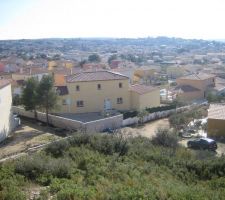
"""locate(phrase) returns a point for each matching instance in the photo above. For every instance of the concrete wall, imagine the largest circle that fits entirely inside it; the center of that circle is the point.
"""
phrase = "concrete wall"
(155, 116)
(93, 126)
(6, 121)
(216, 128)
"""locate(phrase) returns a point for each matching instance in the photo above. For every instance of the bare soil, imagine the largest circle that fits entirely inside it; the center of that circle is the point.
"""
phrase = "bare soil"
(146, 130)
(29, 134)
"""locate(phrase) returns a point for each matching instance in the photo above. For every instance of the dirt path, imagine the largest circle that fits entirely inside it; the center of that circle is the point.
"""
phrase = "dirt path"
(26, 136)
(147, 130)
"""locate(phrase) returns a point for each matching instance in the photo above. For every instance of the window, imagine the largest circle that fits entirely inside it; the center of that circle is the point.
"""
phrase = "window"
(80, 104)
(119, 100)
(99, 86)
(64, 102)
(120, 85)
(77, 88)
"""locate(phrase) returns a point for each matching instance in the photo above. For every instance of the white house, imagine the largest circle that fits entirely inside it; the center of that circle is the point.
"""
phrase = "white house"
(6, 116)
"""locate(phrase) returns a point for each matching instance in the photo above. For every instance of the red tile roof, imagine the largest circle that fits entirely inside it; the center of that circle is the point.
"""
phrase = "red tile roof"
(142, 89)
(200, 76)
(95, 76)
(186, 88)
(4, 83)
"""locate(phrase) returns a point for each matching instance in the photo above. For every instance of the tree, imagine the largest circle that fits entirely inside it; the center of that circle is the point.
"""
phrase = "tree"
(141, 116)
(82, 62)
(29, 95)
(213, 98)
(111, 58)
(16, 100)
(47, 95)
(94, 58)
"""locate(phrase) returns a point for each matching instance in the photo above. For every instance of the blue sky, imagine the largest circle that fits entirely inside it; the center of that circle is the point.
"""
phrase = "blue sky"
(112, 18)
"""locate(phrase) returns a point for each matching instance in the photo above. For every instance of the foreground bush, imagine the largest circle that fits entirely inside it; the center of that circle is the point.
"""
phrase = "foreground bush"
(41, 168)
(107, 167)
(165, 138)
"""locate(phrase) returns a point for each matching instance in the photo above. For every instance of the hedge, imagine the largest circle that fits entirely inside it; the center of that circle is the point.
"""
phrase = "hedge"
(130, 114)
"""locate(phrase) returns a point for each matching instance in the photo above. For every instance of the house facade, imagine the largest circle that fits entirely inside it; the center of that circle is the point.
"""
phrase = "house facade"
(142, 96)
(6, 122)
(102, 91)
(194, 86)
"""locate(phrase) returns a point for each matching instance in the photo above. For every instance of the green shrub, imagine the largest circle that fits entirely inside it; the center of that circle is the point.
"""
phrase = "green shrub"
(12, 193)
(165, 138)
(92, 168)
(57, 148)
(42, 168)
(130, 114)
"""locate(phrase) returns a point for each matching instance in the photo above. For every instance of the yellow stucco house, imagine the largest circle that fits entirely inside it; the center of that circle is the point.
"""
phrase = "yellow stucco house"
(5, 109)
(142, 75)
(195, 86)
(216, 120)
(101, 91)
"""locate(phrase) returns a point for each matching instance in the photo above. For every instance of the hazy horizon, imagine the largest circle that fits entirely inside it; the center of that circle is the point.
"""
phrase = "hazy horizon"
(45, 19)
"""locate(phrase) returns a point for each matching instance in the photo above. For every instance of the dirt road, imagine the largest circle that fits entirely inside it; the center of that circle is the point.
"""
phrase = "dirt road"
(147, 130)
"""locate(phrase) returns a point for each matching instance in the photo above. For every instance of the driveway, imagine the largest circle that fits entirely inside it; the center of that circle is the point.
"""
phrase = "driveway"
(85, 117)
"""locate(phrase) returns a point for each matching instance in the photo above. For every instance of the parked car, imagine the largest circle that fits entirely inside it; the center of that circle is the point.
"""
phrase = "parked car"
(202, 143)
(108, 130)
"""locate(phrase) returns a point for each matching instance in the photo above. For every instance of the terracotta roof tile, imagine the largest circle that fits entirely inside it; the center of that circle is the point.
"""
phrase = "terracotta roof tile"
(186, 88)
(95, 76)
(142, 89)
(200, 76)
